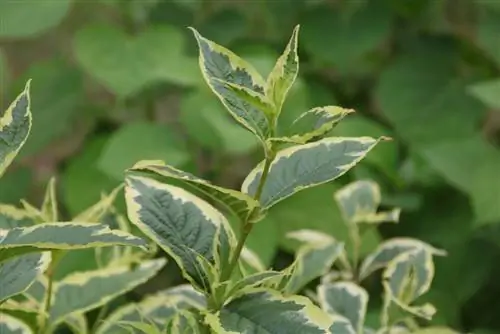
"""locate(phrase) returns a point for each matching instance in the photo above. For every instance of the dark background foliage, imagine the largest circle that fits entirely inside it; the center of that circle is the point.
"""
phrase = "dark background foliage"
(115, 81)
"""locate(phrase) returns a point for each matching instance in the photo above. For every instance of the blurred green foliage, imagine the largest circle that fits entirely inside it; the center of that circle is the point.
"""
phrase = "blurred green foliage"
(116, 81)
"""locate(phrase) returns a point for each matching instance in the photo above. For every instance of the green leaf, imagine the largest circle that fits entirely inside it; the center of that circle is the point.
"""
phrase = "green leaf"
(236, 202)
(58, 94)
(22, 19)
(182, 224)
(49, 209)
(26, 312)
(368, 23)
(81, 292)
(4, 74)
(126, 65)
(218, 63)
(18, 273)
(155, 308)
(268, 312)
(431, 105)
(435, 330)
(137, 141)
(407, 277)
(359, 201)
(82, 182)
(247, 95)
(390, 249)
(487, 92)
(284, 73)
(304, 166)
(346, 299)
(313, 259)
(96, 212)
(22, 240)
(11, 325)
(313, 124)
(207, 122)
(471, 165)
(486, 30)
(15, 125)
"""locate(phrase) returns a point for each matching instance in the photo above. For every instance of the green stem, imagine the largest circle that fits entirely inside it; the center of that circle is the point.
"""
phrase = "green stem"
(247, 226)
(356, 244)
(56, 257)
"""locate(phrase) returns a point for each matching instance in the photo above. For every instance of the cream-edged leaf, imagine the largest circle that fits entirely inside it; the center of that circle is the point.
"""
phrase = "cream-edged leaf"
(284, 73)
(84, 291)
(220, 64)
(304, 166)
(237, 202)
(11, 325)
(182, 224)
(49, 209)
(407, 277)
(313, 259)
(18, 273)
(312, 125)
(22, 240)
(265, 311)
(358, 202)
(253, 98)
(15, 126)
(155, 308)
(252, 281)
(390, 249)
(346, 299)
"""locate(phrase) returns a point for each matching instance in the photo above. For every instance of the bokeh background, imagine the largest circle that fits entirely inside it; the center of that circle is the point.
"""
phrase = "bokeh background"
(115, 81)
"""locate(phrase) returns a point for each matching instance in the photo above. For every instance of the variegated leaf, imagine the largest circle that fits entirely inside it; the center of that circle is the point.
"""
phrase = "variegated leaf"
(236, 202)
(84, 291)
(220, 64)
(25, 311)
(284, 73)
(155, 308)
(346, 299)
(182, 224)
(142, 327)
(407, 277)
(253, 98)
(98, 210)
(11, 217)
(18, 273)
(313, 259)
(49, 209)
(15, 125)
(252, 281)
(265, 311)
(304, 166)
(359, 201)
(185, 322)
(22, 240)
(313, 125)
(391, 248)
(11, 325)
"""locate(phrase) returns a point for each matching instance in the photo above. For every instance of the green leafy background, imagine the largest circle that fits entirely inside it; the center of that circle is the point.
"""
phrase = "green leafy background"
(115, 81)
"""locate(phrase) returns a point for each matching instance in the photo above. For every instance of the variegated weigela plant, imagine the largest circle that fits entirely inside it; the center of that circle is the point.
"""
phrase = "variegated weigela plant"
(229, 290)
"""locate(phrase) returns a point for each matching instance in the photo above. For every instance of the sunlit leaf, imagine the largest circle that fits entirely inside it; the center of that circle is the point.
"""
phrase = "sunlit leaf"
(49, 209)
(487, 92)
